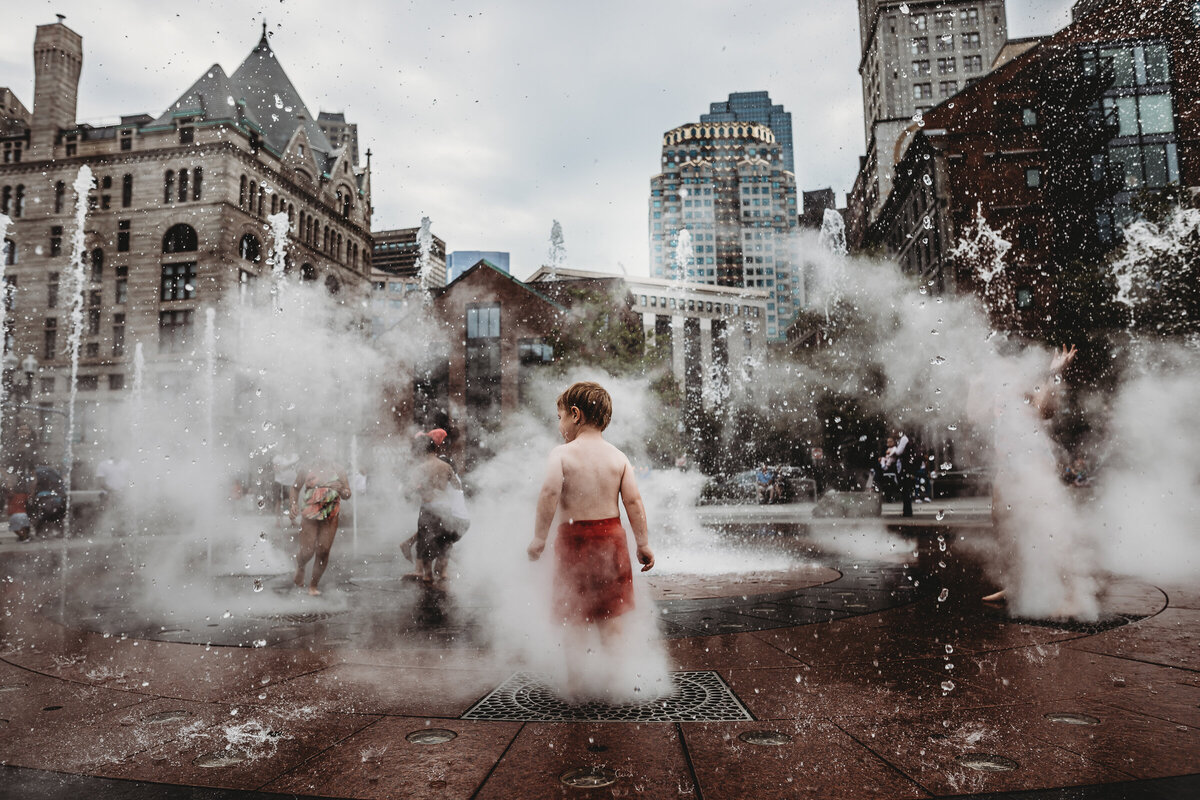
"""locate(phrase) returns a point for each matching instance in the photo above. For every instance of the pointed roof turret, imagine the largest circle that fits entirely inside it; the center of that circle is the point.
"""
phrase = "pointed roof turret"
(212, 97)
(270, 95)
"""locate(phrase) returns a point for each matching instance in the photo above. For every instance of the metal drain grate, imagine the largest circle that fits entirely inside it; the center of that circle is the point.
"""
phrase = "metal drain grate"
(698, 696)
(316, 616)
(1089, 628)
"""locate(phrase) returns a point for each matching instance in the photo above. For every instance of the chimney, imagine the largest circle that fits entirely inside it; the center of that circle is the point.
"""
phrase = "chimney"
(57, 61)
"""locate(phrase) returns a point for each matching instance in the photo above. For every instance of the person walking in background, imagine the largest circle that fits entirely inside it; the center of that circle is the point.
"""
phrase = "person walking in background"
(316, 498)
(437, 530)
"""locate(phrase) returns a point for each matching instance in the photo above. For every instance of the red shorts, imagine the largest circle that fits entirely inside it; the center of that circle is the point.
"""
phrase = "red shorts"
(593, 579)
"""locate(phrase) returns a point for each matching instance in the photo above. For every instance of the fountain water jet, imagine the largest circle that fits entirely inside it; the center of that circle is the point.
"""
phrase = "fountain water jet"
(277, 260)
(84, 182)
(424, 256)
(4, 298)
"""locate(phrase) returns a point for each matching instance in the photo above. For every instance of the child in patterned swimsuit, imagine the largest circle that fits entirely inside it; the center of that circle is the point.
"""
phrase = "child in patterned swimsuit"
(585, 480)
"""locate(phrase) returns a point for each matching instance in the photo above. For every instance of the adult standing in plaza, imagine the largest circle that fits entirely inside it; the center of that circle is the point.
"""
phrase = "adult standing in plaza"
(316, 498)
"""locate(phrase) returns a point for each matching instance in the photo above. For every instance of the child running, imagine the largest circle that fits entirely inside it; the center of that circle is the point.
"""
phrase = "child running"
(585, 479)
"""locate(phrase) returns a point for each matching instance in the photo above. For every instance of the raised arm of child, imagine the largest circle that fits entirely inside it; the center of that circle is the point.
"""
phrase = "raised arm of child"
(547, 504)
(635, 509)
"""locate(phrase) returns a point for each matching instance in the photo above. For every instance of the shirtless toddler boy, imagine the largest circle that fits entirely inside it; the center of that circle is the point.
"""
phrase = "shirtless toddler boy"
(585, 480)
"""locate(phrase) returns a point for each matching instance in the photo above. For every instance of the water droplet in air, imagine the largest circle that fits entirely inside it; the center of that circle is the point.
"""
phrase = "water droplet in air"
(258, 585)
(947, 686)
(949, 648)
(942, 597)
(937, 361)
(940, 515)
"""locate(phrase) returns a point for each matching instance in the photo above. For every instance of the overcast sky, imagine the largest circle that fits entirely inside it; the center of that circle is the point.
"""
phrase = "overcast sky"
(496, 118)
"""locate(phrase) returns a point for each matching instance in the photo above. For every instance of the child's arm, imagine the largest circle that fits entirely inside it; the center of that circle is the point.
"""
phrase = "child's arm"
(635, 509)
(547, 504)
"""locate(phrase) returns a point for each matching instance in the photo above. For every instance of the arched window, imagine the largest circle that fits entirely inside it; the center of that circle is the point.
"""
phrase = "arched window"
(180, 238)
(168, 185)
(183, 185)
(10, 252)
(19, 201)
(346, 207)
(196, 183)
(249, 247)
(126, 191)
(262, 195)
(339, 248)
(5, 200)
(97, 264)
(60, 189)
(242, 193)
(308, 272)
(332, 284)
(274, 204)
(291, 214)
(253, 194)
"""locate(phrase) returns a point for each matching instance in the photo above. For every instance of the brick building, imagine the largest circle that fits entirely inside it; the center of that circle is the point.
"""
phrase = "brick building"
(1053, 148)
(175, 224)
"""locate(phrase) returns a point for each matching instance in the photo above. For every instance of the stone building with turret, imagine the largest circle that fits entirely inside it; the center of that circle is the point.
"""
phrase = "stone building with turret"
(177, 221)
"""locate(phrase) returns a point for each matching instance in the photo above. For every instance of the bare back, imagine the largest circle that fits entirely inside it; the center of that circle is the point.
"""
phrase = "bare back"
(592, 471)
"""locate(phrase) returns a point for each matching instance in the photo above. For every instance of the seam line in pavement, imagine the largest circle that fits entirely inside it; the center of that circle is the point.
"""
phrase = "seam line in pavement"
(687, 758)
(507, 747)
(882, 758)
(322, 751)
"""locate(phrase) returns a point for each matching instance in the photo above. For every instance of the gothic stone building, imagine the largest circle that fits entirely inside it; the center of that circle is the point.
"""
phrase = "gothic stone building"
(177, 220)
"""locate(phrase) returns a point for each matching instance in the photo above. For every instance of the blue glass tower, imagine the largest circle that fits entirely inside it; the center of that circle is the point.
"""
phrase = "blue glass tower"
(756, 107)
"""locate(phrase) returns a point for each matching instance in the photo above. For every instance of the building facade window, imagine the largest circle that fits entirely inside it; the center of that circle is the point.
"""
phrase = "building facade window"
(118, 335)
(50, 339)
(922, 91)
(968, 18)
(97, 264)
(174, 330)
(249, 248)
(972, 63)
(920, 68)
(126, 191)
(168, 185)
(919, 46)
(197, 175)
(178, 281)
(121, 286)
(180, 238)
(52, 290)
(947, 88)
(971, 41)
(123, 236)
(10, 252)
(483, 321)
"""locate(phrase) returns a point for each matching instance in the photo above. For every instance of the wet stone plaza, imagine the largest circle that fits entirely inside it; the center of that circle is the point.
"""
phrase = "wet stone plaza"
(833, 677)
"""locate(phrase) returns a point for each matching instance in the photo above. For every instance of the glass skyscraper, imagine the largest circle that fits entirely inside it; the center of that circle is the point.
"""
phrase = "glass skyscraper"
(756, 107)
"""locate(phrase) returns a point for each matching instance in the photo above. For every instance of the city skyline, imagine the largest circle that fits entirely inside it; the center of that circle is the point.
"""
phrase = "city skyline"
(494, 127)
